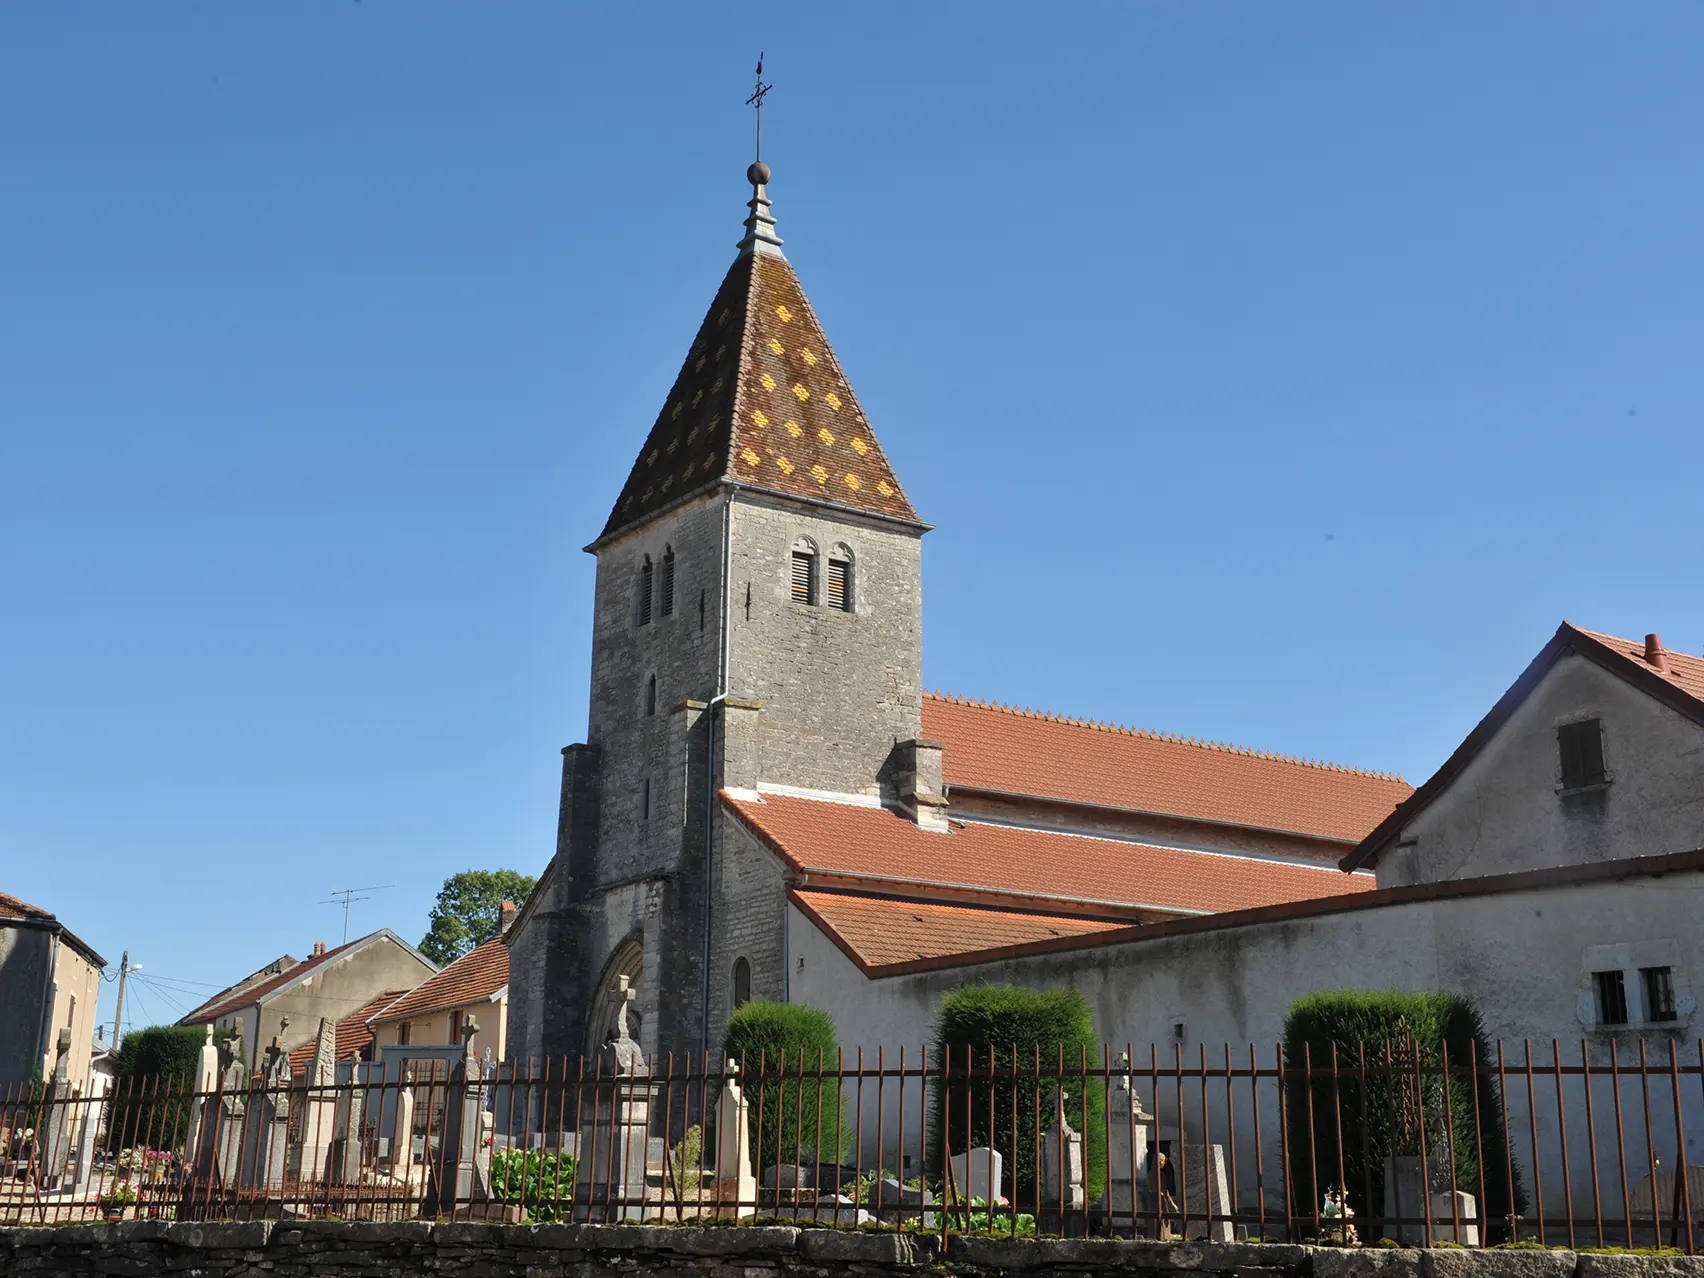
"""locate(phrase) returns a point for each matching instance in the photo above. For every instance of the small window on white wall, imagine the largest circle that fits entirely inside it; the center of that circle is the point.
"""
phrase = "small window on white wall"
(1631, 984)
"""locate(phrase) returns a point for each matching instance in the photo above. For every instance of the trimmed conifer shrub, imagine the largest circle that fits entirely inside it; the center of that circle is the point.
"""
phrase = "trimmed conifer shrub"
(1047, 1029)
(781, 1047)
(1404, 1039)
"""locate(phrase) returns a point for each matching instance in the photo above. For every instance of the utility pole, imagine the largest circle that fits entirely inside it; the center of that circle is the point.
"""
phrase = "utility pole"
(118, 1012)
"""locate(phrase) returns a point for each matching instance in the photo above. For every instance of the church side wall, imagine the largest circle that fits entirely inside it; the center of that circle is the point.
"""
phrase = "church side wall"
(1523, 958)
(1504, 812)
(750, 919)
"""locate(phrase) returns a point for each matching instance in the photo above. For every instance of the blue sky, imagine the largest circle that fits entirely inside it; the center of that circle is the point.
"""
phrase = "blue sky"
(1280, 374)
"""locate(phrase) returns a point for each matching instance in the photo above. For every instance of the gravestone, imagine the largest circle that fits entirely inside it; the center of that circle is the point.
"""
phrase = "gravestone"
(460, 1184)
(57, 1131)
(1128, 1132)
(979, 1173)
(351, 1114)
(1206, 1190)
(265, 1137)
(319, 1106)
(736, 1188)
(893, 1203)
(402, 1137)
(610, 1182)
(1405, 1200)
(206, 1084)
(1063, 1193)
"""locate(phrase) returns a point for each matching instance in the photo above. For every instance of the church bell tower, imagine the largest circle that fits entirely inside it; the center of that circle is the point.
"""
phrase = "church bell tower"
(757, 621)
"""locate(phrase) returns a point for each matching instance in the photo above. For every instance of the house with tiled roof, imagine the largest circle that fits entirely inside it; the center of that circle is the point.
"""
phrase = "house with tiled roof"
(761, 757)
(467, 1002)
(50, 979)
(352, 1037)
(288, 999)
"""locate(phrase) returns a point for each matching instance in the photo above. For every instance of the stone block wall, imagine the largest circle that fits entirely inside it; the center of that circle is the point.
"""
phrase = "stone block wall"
(353, 1250)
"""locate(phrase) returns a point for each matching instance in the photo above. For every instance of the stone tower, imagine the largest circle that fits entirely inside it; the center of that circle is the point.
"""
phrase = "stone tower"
(758, 619)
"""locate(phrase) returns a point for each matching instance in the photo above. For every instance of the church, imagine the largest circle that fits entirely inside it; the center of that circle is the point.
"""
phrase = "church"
(763, 771)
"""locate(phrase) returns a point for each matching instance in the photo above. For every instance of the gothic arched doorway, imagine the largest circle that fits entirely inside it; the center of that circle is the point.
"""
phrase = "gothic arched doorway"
(629, 961)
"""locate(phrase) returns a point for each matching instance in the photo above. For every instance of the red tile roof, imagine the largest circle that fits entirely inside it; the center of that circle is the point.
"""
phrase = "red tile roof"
(876, 931)
(762, 400)
(250, 995)
(473, 978)
(353, 1034)
(1685, 671)
(12, 908)
(858, 844)
(990, 747)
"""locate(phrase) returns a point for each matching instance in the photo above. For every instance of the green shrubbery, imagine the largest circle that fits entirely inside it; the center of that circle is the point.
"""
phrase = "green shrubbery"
(780, 1048)
(1386, 1114)
(539, 1181)
(980, 1023)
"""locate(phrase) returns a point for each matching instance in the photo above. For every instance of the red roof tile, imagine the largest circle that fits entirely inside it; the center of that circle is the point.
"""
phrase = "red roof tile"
(12, 908)
(877, 931)
(250, 995)
(473, 978)
(1685, 671)
(353, 1033)
(861, 843)
(990, 747)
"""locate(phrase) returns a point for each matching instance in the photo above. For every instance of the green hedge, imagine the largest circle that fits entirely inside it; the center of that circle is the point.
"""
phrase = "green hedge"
(780, 1047)
(1383, 1115)
(980, 1022)
(154, 1073)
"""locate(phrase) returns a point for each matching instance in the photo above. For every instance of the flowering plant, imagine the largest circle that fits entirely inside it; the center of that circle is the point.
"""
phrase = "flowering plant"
(1336, 1209)
(135, 1158)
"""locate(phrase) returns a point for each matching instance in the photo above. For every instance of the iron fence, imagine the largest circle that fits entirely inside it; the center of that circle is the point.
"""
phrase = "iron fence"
(1577, 1145)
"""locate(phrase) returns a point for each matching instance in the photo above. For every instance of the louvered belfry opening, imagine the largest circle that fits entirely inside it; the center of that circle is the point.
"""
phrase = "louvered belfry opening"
(1581, 747)
(804, 577)
(645, 573)
(665, 605)
(837, 586)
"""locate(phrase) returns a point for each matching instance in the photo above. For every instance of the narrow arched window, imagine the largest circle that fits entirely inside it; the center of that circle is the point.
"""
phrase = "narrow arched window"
(645, 574)
(742, 982)
(651, 695)
(837, 581)
(804, 571)
(665, 601)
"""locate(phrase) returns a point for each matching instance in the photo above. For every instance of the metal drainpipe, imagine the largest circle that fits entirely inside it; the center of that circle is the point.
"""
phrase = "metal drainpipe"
(724, 644)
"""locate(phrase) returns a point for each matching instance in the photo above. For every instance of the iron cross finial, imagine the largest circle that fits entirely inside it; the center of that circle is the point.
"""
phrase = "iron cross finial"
(756, 100)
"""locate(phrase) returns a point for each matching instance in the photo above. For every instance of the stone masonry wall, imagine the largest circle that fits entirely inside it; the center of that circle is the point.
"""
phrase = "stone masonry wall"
(353, 1250)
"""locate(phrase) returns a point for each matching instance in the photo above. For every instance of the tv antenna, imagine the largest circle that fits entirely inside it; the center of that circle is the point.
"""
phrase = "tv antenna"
(348, 896)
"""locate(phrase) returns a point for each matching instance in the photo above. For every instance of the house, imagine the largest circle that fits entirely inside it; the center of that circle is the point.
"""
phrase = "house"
(352, 1036)
(473, 990)
(289, 998)
(50, 980)
(758, 727)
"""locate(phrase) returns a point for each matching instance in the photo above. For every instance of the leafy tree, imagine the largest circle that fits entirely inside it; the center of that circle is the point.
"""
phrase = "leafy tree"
(979, 1029)
(1399, 1104)
(469, 910)
(781, 1047)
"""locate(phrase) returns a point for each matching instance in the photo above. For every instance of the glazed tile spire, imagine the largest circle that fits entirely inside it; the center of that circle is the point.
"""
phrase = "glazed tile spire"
(761, 400)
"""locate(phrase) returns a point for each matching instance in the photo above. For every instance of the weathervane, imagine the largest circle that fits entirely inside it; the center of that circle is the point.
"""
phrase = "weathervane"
(756, 100)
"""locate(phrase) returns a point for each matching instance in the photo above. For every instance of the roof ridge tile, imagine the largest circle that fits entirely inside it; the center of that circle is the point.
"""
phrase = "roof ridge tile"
(1153, 734)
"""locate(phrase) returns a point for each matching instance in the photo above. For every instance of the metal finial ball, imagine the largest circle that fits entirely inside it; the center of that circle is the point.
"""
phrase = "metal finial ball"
(758, 174)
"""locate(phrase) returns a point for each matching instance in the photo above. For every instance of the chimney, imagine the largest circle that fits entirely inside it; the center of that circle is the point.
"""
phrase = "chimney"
(505, 917)
(917, 781)
(1655, 657)
(319, 948)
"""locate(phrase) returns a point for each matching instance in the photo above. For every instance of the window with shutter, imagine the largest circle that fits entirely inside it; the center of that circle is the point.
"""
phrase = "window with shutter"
(804, 583)
(645, 572)
(1581, 747)
(1611, 988)
(838, 585)
(665, 604)
(1659, 993)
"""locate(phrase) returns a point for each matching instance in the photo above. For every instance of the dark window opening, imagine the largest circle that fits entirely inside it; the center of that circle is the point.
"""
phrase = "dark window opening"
(1581, 745)
(402, 1034)
(804, 577)
(665, 604)
(645, 800)
(651, 695)
(700, 612)
(1611, 997)
(1659, 993)
(456, 1026)
(839, 585)
(645, 573)
(742, 982)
